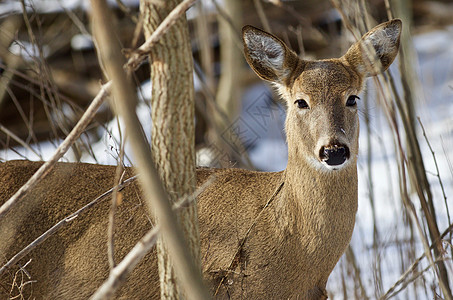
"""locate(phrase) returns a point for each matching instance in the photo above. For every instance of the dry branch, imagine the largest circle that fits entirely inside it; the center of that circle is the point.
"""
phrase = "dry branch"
(19, 140)
(229, 86)
(437, 169)
(113, 206)
(262, 15)
(417, 176)
(391, 291)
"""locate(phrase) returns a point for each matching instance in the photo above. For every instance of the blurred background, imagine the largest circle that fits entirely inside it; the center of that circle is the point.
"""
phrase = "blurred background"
(50, 73)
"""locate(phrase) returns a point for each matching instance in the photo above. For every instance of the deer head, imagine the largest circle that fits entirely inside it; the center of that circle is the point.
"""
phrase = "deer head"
(322, 123)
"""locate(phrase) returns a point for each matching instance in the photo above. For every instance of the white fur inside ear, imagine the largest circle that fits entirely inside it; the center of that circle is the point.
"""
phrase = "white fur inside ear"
(266, 50)
(385, 40)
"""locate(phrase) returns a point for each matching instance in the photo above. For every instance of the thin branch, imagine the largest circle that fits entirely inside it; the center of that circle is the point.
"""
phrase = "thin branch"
(127, 11)
(413, 266)
(262, 15)
(73, 17)
(303, 20)
(119, 174)
(406, 283)
(61, 150)
(351, 258)
(114, 204)
(223, 14)
(415, 171)
(421, 185)
(437, 169)
(19, 140)
(232, 137)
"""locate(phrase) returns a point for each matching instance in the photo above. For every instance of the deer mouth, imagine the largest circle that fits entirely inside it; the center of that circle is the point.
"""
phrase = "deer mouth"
(334, 155)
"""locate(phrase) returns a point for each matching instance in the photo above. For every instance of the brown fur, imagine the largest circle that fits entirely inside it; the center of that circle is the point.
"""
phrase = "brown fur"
(263, 235)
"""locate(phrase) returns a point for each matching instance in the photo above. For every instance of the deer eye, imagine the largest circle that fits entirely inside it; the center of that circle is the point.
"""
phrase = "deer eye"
(301, 103)
(352, 100)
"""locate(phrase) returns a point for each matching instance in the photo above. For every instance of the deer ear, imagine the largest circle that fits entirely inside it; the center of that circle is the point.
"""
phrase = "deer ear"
(267, 55)
(376, 50)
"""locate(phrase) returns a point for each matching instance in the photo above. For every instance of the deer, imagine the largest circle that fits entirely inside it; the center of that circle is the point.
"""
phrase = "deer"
(264, 235)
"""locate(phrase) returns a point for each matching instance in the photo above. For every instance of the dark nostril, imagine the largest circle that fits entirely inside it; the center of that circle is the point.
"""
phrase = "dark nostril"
(334, 155)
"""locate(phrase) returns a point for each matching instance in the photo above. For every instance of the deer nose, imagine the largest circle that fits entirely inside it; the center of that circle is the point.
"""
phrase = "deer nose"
(334, 155)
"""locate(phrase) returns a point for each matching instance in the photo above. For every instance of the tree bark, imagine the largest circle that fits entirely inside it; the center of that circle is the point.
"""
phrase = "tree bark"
(173, 126)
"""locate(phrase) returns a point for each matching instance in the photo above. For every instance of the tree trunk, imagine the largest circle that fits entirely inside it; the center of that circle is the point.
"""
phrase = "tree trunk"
(173, 126)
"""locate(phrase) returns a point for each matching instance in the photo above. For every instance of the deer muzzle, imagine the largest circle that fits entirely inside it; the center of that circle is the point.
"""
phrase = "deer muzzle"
(334, 155)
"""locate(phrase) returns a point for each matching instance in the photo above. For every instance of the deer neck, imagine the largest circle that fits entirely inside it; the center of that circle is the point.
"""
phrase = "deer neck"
(311, 195)
(305, 179)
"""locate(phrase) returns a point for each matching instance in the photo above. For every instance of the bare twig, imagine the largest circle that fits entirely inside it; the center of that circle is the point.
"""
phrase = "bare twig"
(351, 258)
(223, 14)
(26, 120)
(43, 69)
(20, 286)
(415, 170)
(418, 178)
(203, 33)
(61, 150)
(127, 11)
(413, 266)
(262, 15)
(136, 57)
(437, 169)
(77, 22)
(306, 22)
(388, 9)
(19, 140)
(12, 61)
(404, 283)
(115, 198)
